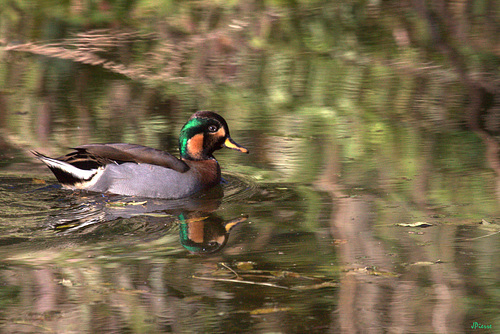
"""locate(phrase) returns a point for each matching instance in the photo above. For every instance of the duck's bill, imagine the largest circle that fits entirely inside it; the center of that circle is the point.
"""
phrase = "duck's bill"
(229, 143)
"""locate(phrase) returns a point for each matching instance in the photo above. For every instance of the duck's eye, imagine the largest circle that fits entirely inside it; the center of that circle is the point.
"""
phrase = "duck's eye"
(212, 128)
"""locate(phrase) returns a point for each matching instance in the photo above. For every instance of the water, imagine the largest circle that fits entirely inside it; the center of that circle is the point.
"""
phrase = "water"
(305, 234)
(97, 263)
(264, 258)
(317, 230)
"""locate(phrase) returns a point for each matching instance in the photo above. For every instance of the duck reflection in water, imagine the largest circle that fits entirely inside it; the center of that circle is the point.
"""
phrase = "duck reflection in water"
(201, 230)
(206, 235)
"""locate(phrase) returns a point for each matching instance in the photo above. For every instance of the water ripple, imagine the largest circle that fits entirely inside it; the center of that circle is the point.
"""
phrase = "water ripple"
(238, 188)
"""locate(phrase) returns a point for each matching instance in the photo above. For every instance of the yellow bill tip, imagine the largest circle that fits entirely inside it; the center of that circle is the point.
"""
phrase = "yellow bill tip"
(229, 143)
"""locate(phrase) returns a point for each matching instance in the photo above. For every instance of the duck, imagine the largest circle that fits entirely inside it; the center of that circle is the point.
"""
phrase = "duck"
(136, 170)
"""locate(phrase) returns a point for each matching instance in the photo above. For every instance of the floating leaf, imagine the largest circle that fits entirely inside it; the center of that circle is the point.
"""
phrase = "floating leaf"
(372, 271)
(317, 286)
(66, 226)
(269, 310)
(423, 263)
(121, 204)
(284, 273)
(485, 222)
(489, 226)
(152, 214)
(137, 203)
(417, 224)
(66, 282)
(38, 181)
(246, 265)
(338, 242)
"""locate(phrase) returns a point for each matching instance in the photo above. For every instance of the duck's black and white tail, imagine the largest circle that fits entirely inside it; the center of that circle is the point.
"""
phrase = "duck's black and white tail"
(66, 173)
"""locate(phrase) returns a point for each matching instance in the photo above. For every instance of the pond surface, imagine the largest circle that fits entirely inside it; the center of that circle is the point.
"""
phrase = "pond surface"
(265, 257)
(74, 262)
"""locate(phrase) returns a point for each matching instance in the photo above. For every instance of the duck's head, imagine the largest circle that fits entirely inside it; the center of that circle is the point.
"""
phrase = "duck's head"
(204, 133)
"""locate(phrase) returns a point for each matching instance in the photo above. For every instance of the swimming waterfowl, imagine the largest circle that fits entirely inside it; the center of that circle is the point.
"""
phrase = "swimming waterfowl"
(135, 170)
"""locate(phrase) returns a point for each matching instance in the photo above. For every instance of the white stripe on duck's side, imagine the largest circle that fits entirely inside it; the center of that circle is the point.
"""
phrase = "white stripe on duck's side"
(86, 184)
(82, 174)
(87, 177)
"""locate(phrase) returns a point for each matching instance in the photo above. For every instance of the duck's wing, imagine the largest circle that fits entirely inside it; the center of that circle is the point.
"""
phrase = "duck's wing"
(101, 154)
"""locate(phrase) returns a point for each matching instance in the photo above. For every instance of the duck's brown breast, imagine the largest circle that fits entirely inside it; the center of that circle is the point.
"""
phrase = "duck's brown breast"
(206, 171)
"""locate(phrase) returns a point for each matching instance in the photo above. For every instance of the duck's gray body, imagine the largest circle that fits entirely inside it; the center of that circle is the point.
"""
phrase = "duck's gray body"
(137, 179)
(144, 180)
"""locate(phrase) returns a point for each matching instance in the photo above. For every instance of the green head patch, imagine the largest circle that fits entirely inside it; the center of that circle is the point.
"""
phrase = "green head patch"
(191, 128)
